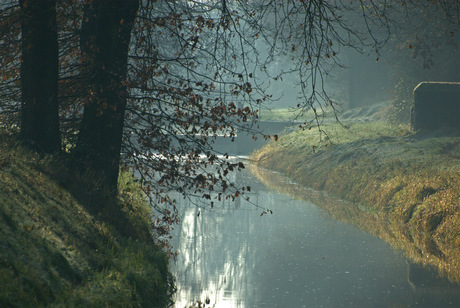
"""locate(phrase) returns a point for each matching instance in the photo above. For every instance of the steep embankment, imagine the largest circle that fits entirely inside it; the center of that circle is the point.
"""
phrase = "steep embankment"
(55, 252)
(409, 185)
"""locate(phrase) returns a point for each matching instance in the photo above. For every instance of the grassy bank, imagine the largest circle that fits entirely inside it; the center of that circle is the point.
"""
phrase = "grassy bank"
(406, 185)
(56, 251)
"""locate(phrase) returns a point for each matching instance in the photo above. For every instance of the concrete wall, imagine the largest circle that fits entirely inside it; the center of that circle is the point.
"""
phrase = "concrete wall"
(436, 106)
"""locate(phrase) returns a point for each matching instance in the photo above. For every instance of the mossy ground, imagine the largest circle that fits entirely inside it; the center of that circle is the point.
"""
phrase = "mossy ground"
(56, 250)
(410, 183)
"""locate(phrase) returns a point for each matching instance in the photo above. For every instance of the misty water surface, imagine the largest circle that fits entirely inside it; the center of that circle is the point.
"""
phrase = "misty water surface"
(296, 257)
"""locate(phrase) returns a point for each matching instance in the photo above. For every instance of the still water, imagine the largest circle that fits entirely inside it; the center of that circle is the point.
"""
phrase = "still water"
(296, 257)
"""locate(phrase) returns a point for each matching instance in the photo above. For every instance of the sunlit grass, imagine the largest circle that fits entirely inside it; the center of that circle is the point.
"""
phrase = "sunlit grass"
(411, 181)
(287, 114)
(281, 114)
(54, 252)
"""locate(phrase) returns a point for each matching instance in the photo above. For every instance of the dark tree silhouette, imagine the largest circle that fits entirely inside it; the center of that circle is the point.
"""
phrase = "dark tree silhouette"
(104, 41)
(39, 75)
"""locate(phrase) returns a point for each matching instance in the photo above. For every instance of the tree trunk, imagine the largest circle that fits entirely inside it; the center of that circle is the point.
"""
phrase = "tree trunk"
(104, 43)
(39, 75)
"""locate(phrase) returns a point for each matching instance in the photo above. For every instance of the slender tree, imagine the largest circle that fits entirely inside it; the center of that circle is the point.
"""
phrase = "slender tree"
(39, 75)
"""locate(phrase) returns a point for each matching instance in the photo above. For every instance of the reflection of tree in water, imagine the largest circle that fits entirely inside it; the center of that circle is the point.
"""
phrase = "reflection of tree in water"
(220, 272)
(297, 256)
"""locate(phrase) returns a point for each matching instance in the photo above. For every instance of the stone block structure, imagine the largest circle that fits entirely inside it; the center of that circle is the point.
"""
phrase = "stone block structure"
(436, 106)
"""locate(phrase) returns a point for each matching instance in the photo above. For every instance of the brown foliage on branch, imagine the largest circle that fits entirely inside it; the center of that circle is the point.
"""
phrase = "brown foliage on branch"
(186, 73)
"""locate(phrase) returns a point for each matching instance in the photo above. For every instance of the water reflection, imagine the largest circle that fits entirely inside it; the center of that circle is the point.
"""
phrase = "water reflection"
(419, 247)
(215, 256)
(297, 257)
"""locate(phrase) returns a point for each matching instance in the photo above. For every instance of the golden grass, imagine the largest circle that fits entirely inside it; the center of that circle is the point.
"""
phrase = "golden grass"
(408, 184)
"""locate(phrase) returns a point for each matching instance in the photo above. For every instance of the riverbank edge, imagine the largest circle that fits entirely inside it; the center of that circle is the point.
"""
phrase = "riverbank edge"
(56, 251)
(411, 182)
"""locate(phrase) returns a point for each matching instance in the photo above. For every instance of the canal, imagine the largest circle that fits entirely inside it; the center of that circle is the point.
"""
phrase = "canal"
(298, 256)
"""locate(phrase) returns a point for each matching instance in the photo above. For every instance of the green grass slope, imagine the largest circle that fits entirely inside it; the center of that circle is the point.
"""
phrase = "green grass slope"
(54, 251)
(410, 182)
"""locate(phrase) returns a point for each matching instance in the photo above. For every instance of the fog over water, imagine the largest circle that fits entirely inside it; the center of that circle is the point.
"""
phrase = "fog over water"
(296, 257)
